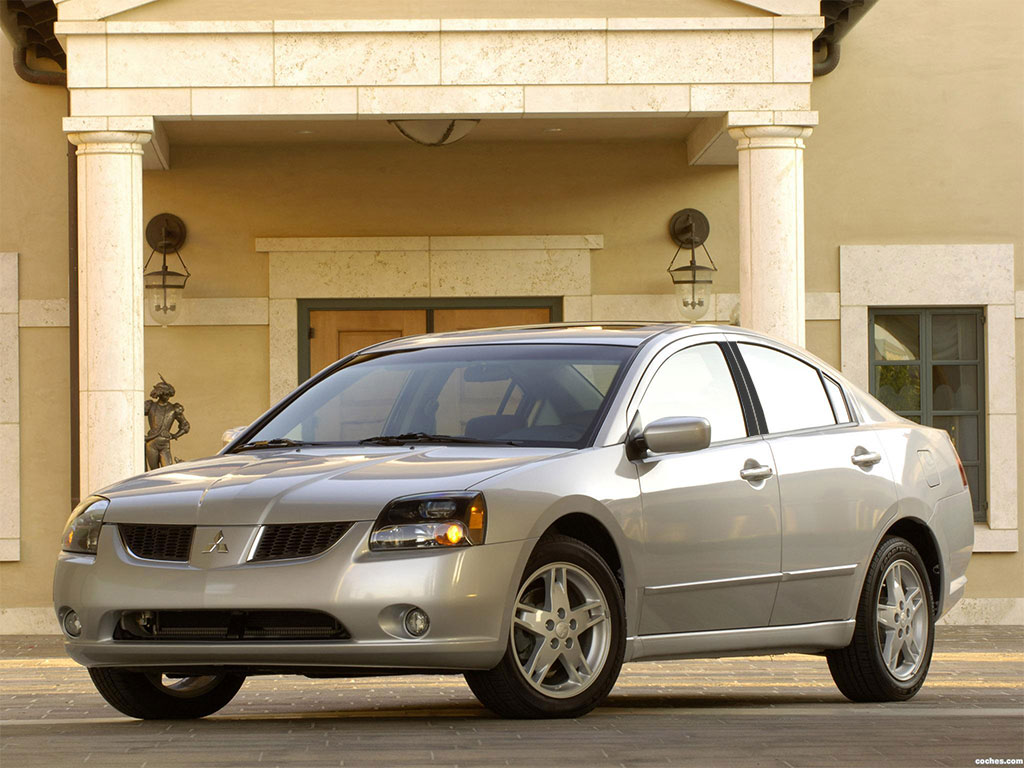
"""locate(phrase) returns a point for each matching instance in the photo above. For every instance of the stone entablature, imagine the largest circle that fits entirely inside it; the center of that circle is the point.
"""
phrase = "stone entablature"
(422, 67)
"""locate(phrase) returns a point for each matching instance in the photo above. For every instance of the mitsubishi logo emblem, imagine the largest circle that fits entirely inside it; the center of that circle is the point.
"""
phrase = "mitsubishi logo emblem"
(218, 545)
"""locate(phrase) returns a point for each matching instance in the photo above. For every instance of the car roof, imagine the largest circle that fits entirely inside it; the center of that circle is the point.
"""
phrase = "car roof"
(627, 334)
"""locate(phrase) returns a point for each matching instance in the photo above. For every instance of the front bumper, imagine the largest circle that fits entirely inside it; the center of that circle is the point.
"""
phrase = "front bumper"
(467, 593)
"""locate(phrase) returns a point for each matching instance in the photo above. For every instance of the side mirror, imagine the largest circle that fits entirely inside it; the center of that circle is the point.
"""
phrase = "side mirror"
(674, 434)
(230, 434)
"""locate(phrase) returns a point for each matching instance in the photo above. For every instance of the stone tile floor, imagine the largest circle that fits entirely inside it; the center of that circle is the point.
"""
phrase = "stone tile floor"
(765, 711)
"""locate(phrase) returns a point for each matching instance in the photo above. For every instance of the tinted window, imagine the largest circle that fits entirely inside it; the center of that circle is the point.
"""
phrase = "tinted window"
(536, 394)
(696, 382)
(835, 395)
(790, 390)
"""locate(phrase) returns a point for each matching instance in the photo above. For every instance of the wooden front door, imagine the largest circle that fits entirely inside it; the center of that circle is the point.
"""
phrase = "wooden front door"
(339, 332)
(336, 333)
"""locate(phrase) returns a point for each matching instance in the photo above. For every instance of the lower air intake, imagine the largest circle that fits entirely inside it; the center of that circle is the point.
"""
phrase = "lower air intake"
(204, 625)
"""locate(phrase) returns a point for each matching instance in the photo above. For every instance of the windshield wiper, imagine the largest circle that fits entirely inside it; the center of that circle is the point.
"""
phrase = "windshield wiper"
(275, 442)
(424, 437)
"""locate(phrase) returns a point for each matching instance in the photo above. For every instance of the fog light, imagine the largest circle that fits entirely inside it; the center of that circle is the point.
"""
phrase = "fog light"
(72, 625)
(416, 622)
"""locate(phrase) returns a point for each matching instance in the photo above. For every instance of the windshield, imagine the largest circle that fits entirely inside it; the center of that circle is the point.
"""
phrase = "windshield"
(520, 394)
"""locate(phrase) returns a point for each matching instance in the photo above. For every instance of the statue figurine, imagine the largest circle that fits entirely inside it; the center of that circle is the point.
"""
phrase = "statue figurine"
(161, 414)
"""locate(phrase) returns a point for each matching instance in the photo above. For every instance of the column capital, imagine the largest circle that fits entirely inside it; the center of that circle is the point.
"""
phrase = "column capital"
(759, 130)
(770, 136)
(109, 132)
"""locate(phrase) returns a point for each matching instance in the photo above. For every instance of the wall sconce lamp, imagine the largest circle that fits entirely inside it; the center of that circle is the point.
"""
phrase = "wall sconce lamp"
(434, 133)
(689, 228)
(165, 234)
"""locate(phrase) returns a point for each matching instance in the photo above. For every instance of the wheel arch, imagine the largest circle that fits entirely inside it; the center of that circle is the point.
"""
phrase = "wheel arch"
(593, 533)
(917, 532)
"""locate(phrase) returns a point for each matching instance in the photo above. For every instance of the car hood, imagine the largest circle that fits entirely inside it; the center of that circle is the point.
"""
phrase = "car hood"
(307, 485)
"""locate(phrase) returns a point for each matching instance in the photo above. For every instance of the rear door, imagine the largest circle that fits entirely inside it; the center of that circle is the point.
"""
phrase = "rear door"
(835, 481)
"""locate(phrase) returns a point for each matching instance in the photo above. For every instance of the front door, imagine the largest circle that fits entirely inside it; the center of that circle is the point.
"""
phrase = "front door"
(712, 538)
(335, 333)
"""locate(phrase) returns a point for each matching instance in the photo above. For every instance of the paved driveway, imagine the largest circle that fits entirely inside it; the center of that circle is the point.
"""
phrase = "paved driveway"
(765, 711)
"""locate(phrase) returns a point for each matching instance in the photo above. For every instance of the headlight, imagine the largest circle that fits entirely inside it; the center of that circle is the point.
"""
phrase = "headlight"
(82, 533)
(431, 521)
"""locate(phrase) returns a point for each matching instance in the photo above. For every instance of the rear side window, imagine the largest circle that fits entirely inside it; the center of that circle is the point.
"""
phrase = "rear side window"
(790, 390)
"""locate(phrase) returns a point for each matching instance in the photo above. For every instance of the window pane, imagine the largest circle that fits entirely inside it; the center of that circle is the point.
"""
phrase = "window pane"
(897, 337)
(696, 382)
(790, 390)
(835, 395)
(964, 431)
(955, 337)
(954, 387)
(899, 386)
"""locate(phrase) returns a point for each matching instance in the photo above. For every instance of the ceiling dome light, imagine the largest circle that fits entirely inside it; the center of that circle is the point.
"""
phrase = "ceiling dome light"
(434, 133)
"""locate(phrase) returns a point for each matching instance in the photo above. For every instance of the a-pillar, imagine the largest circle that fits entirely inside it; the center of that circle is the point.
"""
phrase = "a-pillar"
(110, 297)
(771, 211)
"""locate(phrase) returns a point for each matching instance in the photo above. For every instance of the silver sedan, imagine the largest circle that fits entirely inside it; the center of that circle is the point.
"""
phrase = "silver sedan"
(531, 508)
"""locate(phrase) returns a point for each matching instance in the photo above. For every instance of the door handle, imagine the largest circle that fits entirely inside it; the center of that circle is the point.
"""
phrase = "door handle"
(866, 458)
(756, 473)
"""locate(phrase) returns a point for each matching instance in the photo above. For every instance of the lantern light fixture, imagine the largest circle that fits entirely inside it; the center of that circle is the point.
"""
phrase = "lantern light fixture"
(689, 228)
(163, 287)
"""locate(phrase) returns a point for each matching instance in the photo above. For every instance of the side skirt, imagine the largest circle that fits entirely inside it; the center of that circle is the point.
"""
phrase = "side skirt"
(793, 638)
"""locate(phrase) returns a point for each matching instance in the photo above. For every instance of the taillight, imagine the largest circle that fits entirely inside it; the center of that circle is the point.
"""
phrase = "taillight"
(959, 464)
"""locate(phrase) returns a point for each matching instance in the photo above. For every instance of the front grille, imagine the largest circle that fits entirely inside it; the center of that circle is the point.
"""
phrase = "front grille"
(281, 542)
(158, 542)
(228, 625)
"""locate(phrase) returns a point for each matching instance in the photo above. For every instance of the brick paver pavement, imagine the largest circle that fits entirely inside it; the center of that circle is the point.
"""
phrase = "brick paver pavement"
(766, 711)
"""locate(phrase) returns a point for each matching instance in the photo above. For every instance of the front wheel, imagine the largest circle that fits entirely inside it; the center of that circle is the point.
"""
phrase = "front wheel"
(891, 650)
(154, 696)
(567, 638)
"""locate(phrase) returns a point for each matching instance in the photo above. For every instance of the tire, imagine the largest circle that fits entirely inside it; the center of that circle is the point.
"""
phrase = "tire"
(150, 696)
(565, 585)
(891, 650)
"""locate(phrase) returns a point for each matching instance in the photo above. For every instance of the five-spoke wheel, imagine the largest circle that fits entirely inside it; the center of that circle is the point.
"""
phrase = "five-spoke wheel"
(566, 639)
(902, 624)
(891, 649)
(560, 632)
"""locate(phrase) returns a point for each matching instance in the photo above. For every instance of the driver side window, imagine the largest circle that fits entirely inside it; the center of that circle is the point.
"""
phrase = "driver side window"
(696, 382)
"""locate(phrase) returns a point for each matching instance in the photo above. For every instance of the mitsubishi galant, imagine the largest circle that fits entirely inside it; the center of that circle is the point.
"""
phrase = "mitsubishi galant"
(531, 508)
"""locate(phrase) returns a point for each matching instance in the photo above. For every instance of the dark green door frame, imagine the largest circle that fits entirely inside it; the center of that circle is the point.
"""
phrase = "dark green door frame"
(305, 306)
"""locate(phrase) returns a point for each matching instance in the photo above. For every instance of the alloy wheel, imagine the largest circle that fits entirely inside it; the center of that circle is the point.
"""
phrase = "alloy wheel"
(902, 620)
(561, 630)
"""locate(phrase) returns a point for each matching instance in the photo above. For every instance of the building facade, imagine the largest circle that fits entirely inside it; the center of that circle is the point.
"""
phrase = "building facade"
(874, 214)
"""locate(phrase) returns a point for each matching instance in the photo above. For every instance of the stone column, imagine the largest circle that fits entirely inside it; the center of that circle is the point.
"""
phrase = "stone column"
(771, 187)
(110, 298)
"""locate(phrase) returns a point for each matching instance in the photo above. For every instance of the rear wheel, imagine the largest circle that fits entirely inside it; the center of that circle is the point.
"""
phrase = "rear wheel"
(567, 637)
(154, 696)
(891, 650)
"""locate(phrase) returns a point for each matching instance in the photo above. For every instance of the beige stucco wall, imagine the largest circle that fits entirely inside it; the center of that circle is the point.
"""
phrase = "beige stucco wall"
(33, 223)
(921, 140)
(625, 190)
